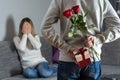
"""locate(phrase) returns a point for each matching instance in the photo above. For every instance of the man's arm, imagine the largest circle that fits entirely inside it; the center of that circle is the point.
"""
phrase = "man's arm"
(47, 29)
(112, 22)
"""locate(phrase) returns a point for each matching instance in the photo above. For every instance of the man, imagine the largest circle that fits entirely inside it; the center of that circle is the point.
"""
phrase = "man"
(98, 10)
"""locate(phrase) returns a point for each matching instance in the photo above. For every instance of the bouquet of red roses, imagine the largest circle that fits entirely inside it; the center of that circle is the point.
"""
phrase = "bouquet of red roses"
(79, 28)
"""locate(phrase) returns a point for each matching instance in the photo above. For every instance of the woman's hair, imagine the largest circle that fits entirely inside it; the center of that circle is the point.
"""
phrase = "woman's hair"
(20, 34)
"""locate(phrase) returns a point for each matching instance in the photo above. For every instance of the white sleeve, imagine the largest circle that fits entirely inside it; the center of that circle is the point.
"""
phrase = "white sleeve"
(35, 41)
(20, 43)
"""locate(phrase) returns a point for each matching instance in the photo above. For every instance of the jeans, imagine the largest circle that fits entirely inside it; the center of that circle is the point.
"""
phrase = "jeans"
(42, 70)
(70, 71)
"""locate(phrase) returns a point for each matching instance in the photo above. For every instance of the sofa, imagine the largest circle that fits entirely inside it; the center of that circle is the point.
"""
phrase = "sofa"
(10, 66)
(111, 60)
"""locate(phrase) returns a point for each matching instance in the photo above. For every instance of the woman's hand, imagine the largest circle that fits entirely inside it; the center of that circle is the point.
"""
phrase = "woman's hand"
(29, 28)
(24, 29)
(89, 41)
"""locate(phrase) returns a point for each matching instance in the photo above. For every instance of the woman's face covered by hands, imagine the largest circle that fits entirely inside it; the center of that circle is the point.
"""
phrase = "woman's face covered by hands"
(26, 28)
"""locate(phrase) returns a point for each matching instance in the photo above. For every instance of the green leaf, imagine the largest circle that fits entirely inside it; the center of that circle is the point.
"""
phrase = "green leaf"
(80, 19)
(90, 26)
(72, 28)
(75, 34)
(70, 34)
(86, 14)
(83, 29)
(72, 19)
(83, 24)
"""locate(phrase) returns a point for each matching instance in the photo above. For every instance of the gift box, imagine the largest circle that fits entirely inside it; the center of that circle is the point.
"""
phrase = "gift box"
(82, 57)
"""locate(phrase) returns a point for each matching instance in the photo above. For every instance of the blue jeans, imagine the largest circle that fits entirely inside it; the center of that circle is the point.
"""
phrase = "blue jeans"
(70, 71)
(41, 70)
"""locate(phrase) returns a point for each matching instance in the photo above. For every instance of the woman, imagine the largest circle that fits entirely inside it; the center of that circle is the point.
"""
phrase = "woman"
(28, 46)
(98, 10)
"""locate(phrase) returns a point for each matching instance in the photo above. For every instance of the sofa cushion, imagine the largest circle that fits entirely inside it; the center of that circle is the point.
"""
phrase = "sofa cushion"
(46, 49)
(112, 77)
(20, 77)
(109, 69)
(111, 53)
(9, 63)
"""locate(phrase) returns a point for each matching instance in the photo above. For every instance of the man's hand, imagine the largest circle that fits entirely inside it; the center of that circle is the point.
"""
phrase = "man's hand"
(89, 41)
(72, 53)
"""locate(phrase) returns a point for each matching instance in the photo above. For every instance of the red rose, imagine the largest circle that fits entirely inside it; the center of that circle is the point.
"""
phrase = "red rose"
(76, 9)
(68, 13)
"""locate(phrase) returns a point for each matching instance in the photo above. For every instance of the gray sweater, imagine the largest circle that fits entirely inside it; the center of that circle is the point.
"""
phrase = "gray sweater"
(98, 10)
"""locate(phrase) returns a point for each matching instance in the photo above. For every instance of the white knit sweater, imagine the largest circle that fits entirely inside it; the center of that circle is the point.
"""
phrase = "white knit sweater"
(98, 10)
(29, 50)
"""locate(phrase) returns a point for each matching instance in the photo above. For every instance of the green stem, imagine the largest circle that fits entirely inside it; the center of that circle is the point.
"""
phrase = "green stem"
(95, 52)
